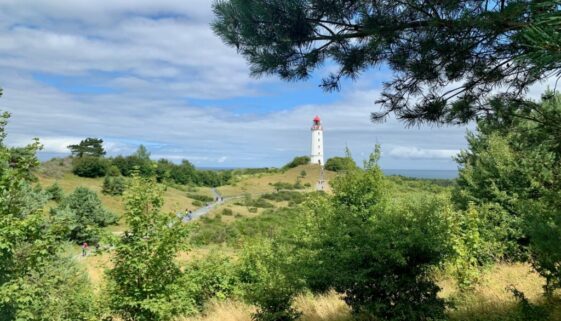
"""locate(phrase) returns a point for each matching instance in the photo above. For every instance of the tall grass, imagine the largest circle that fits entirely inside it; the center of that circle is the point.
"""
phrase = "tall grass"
(490, 301)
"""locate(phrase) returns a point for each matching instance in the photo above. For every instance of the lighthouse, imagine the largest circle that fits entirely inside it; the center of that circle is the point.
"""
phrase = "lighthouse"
(316, 156)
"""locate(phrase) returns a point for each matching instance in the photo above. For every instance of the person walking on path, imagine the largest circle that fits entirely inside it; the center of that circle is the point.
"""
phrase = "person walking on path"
(84, 249)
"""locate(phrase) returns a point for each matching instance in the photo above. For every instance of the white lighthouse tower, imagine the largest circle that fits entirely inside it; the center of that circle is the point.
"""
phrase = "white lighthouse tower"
(317, 142)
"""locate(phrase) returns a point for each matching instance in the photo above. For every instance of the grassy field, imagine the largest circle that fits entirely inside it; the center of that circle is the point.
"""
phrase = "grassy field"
(261, 183)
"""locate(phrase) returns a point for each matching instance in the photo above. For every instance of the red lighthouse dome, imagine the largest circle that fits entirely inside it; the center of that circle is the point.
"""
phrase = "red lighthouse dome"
(317, 119)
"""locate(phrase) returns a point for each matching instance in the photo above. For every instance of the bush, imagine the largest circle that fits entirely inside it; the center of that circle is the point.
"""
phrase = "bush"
(113, 171)
(290, 196)
(260, 203)
(200, 197)
(197, 203)
(268, 283)
(227, 212)
(89, 167)
(297, 161)
(144, 280)
(212, 277)
(339, 164)
(376, 252)
(113, 185)
(55, 192)
(287, 186)
(35, 282)
(81, 214)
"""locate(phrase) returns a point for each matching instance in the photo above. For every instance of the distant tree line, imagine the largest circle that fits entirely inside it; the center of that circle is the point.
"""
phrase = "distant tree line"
(89, 161)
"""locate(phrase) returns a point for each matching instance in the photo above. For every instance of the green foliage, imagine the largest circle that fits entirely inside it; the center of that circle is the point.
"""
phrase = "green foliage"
(542, 39)
(35, 282)
(113, 185)
(292, 197)
(89, 166)
(166, 171)
(477, 46)
(258, 203)
(377, 253)
(81, 215)
(55, 192)
(340, 164)
(303, 173)
(287, 186)
(200, 197)
(91, 147)
(144, 281)
(113, 171)
(478, 240)
(227, 212)
(212, 277)
(514, 164)
(297, 161)
(271, 223)
(268, 283)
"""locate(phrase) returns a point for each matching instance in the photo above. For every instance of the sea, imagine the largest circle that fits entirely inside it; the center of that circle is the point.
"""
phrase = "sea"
(423, 173)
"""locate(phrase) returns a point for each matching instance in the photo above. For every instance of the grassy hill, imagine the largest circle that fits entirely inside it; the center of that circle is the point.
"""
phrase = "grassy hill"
(248, 212)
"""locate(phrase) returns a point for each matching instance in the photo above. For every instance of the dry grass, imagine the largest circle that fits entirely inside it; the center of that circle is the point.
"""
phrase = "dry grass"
(259, 183)
(490, 301)
(314, 308)
(328, 307)
(223, 311)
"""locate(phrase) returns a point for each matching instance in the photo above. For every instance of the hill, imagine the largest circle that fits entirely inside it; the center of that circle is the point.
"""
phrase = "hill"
(262, 204)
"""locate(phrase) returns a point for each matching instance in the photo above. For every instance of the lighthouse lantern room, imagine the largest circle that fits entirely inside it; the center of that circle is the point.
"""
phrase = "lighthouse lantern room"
(317, 142)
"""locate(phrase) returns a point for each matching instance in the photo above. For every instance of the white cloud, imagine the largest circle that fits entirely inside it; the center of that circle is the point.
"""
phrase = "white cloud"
(158, 56)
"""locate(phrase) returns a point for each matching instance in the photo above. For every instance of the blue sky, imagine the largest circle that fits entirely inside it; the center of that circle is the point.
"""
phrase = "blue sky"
(153, 73)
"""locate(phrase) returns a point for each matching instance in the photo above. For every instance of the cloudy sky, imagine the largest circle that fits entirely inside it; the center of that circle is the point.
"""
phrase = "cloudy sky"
(152, 72)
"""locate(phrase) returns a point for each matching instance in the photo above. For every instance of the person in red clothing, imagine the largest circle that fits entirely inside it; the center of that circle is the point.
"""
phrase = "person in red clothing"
(84, 249)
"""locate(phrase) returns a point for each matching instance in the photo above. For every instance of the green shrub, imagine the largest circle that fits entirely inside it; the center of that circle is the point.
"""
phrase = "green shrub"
(297, 161)
(287, 186)
(290, 196)
(114, 171)
(260, 203)
(89, 166)
(227, 212)
(81, 214)
(378, 253)
(212, 277)
(268, 283)
(55, 192)
(144, 282)
(197, 203)
(340, 164)
(35, 282)
(252, 209)
(114, 185)
(200, 197)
